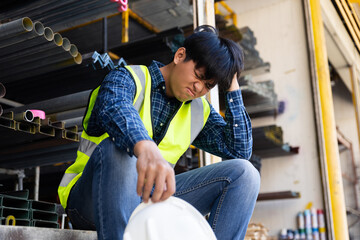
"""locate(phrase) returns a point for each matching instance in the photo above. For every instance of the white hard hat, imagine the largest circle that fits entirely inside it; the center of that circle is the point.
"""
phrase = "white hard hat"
(173, 219)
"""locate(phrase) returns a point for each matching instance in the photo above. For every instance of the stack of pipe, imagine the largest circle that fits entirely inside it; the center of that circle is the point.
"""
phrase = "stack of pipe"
(260, 98)
(63, 116)
(268, 142)
(251, 55)
(28, 49)
(61, 14)
(2, 94)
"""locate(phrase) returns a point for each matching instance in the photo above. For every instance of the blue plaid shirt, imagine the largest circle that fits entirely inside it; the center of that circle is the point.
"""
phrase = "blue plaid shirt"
(114, 113)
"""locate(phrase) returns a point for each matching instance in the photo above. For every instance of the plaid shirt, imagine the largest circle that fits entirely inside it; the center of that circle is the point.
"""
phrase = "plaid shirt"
(114, 113)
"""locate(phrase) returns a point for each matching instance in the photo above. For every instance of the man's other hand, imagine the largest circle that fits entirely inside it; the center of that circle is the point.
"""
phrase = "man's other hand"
(152, 170)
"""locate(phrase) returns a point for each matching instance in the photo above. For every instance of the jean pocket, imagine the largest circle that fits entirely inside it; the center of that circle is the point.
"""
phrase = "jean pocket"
(78, 221)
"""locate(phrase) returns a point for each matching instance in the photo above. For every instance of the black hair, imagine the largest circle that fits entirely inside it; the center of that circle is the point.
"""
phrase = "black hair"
(220, 57)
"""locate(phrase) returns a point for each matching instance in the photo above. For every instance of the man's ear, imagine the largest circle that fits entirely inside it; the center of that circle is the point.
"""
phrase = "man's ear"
(180, 55)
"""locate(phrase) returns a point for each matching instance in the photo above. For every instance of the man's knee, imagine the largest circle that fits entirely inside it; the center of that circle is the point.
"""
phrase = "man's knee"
(246, 173)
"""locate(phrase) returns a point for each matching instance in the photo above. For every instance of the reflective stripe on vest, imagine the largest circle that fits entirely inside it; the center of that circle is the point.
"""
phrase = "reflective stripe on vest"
(181, 132)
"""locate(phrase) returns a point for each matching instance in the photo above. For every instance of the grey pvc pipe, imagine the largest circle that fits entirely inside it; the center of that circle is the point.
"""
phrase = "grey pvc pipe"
(66, 44)
(74, 113)
(44, 61)
(38, 56)
(36, 50)
(46, 37)
(2, 90)
(47, 68)
(73, 50)
(38, 30)
(59, 104)
(26, 115)
(15, 27)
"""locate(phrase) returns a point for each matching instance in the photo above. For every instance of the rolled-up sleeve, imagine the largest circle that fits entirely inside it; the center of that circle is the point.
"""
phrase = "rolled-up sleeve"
(230, 138)
(114, 112)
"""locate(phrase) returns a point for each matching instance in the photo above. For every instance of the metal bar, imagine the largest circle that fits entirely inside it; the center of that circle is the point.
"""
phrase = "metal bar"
(59, 104)
(337, 199)
(26, 116)
(48, 54)
(278, 195)
(38, 30)
(37, 183)
(37, 64)
(2, 90)
(60, 116)
(48, 36)
(125, 26)
(28, 53)
(16, 27)
(10, 102)
(45, 69)
(105, 35)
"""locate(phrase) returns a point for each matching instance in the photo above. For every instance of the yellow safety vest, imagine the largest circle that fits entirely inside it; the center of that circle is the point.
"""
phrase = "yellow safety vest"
(181, 132)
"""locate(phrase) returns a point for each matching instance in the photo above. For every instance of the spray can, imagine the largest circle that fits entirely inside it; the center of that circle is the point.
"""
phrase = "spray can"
(283, 234)
(296, 235)
(314, 224)
(322, 229)
(308, 231)
(301, 225)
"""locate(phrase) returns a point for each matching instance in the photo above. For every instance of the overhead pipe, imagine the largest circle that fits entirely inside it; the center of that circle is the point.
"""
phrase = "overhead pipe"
(55, 48)
(46, 37)
(13, 28)
(37, 31)
(35, 7)
(59, 104)
(27, 116)
(47, 68)
(39, 63)
(67, 8)
(74, 113)
(57, 41)
(82, 18)
(10, 102)
(66, 44)
(2, 90)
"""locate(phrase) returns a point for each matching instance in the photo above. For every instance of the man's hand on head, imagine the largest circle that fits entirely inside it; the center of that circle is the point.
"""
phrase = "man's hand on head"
(234, 84)
(152, 170)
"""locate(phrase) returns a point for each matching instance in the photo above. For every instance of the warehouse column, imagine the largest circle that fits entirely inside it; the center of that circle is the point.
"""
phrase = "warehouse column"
(204, 13)
(329, 137)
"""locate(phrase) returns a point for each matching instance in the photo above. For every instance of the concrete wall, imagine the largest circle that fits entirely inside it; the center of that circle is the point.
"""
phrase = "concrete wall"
(279, 27)
(345, 120)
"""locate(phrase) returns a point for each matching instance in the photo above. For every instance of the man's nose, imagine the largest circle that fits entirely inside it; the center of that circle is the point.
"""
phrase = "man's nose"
(198, 86)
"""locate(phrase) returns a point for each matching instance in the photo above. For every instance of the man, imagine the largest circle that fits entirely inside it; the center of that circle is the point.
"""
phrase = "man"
(141, 120)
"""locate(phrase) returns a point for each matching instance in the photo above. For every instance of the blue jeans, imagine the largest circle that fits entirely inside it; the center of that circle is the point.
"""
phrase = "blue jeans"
(105, 195)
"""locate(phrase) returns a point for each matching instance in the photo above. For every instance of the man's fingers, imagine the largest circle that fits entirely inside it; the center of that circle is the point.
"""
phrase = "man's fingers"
(140, 181)
(159, 187)
(148, 185)
(170, 187)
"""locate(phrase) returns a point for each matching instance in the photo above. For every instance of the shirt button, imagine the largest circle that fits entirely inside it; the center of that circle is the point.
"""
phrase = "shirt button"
(236, 125)
(163, 87)
(113, 139)
(161, 124)
(128, 150)
(231, 100)
(168, 103)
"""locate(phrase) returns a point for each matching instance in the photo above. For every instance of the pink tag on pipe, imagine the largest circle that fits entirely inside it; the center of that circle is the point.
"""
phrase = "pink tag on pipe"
(38, 113)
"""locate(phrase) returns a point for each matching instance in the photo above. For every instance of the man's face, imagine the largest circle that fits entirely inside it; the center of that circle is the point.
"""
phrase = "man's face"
(185, 81)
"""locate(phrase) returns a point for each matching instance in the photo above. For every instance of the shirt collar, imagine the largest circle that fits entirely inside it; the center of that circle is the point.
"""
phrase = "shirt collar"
(156, 75)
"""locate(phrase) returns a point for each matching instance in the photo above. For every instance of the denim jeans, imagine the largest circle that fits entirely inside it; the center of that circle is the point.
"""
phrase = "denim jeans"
(105, 195)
